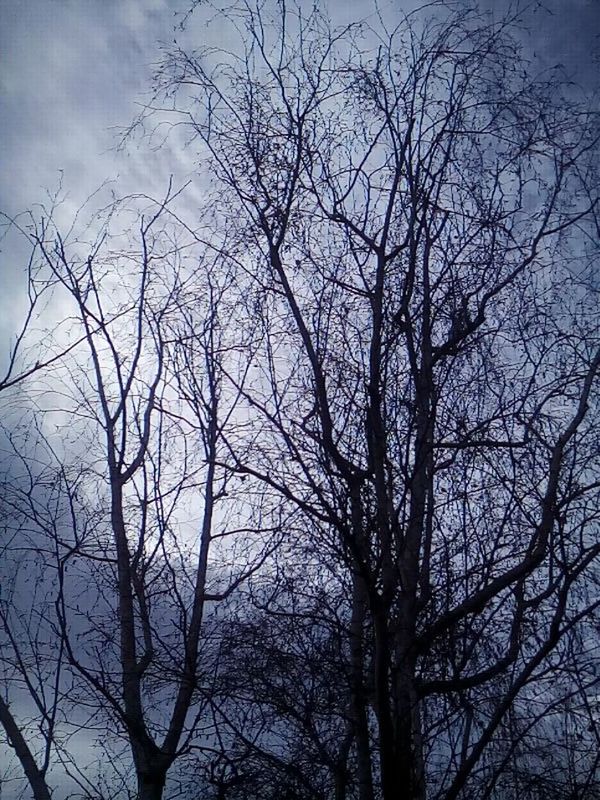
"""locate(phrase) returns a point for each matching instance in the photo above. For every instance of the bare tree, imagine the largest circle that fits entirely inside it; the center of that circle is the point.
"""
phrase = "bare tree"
(136, 454)
(29, 672)
(284, 697)
(37, 346)
(410, 206)
(380, 365)
(31, 660)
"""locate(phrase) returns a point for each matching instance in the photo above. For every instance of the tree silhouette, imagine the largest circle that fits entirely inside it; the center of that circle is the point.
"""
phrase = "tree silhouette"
(408, 203)
(372, 371)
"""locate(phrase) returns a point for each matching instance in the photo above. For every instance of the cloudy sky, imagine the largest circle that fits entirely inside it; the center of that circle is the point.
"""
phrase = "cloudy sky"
(73, 71)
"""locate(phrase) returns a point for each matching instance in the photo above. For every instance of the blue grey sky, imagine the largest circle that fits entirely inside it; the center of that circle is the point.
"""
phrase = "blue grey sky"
(72, 70)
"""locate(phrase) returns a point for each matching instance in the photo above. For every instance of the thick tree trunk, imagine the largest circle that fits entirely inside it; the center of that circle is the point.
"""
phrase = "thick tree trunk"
(383, 707)
(396, 703)
(359, 699)
(151, 767)
(151, 787)
(409, 772)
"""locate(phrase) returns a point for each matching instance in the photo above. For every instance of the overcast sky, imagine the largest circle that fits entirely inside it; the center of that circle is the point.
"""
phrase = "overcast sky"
(72, 71)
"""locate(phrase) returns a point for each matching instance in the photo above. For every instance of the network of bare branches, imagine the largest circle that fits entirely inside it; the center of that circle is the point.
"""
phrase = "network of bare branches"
(319, 518)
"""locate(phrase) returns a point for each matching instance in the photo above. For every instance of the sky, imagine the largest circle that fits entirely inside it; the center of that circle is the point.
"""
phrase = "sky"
(74, 72)
(71, 71)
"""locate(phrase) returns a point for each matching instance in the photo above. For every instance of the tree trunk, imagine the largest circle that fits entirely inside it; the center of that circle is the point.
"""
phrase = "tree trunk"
(409, 772)
(387, 748)
(359, 699)
(36, 779)
(151, 784)
(341, 769)
(151, 766)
